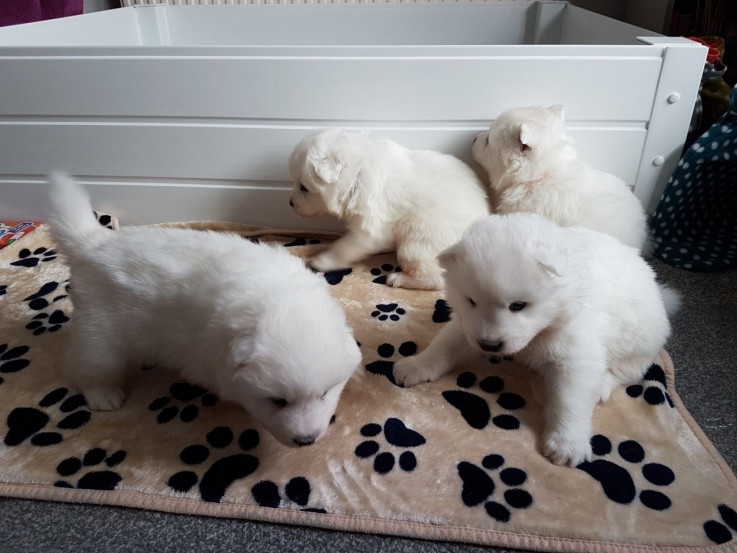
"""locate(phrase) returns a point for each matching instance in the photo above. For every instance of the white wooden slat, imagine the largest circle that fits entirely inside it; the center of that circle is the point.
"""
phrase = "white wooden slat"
(244, 153)
(143, 203)
(383, 89)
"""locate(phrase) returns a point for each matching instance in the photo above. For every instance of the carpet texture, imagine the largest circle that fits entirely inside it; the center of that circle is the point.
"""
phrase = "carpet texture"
(457, 459)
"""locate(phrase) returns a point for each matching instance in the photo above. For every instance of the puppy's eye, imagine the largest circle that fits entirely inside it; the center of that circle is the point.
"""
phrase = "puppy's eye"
(517, 306)
(279, 401)
(323, 396)
(303, 188)
(473, 303)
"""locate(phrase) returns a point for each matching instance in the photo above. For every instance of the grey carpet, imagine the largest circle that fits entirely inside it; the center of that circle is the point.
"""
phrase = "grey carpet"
(704, 351)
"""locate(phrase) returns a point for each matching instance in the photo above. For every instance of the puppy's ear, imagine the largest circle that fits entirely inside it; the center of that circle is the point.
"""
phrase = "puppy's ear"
(450, 256)
(559, 111)
(528, 135)
(552, 258)
(327, 168)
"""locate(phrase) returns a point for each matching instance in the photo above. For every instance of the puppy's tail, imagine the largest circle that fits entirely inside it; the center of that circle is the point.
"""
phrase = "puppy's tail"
(671, 299)
(69, 214)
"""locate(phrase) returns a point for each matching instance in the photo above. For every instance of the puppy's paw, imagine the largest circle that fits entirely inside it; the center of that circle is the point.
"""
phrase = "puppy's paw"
(411, 372)
(324, 262)
(104, 399)
(567, 449)
(404, 280)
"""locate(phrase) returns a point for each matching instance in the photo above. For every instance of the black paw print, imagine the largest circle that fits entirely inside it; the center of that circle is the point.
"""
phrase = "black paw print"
(386, 368)
(442, 312)
(11, 360)
(388, 311)
(297, 491)
(336, 277)
(48, 294)
(479, 487)
(28, 422)
(396, 434)
(716, 531)
(93, 479)
(301, 242)
(185, 393)
(105, 220)
(221, 473)
(28, 258)
(649, 390)
(616, 481)
(382, 272)
(475, 409)
(3, 289)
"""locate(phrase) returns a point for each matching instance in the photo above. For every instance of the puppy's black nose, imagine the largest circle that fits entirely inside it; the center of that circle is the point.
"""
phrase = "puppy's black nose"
(491, 346)
(304, 440)
(291, 203)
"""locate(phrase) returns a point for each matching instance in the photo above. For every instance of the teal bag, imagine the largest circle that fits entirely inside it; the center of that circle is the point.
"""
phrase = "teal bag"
(694, 226)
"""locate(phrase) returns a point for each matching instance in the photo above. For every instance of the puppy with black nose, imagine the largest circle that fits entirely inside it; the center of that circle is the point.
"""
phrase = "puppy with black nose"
(247, 321)
(576, 305)
(414, 202)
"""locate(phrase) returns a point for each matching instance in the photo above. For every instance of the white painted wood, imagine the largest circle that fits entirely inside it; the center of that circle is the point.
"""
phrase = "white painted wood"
(252, 153)
(190, 113)
(673, 104)
(388, 88)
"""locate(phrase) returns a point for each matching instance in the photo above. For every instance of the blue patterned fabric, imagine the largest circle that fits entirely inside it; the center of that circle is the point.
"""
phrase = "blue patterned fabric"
(695, 223)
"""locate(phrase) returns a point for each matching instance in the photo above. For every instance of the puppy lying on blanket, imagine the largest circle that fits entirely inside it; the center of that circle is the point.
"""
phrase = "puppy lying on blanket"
(249, 322)
(413, 201)
(533, 166)
(578, 306)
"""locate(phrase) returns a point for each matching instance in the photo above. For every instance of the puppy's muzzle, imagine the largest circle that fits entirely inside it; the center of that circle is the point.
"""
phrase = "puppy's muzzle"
(492, 347)
(304, 440)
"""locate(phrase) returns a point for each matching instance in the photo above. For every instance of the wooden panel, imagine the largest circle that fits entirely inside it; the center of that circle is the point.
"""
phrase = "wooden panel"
(369, 89)
(245, 153)
(143, 203)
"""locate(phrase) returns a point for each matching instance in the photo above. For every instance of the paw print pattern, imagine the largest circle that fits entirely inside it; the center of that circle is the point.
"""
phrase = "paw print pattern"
(301, 242)
(297, 491)
(47, 295)
(105, 220)
(336, 277)
(388, 312)
(28, 422)
(386, 368)
(92, 479)
(29, 259)
(649, 389)
(479, 487)
(616, 481)
(397, 435)
(223, 472)
(719, 532)
(475, 410)
(3, 289)
(442, 312)
(186, 393)
(382, 272)
(11, 360)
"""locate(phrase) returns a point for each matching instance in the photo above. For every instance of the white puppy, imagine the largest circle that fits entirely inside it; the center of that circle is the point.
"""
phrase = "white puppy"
(533, 166)
(578, 306)
(416, 202)
(249, 322)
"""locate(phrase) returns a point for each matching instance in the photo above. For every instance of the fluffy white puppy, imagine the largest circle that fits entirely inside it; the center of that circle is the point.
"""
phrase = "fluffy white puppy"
(578, 306)
(416, 202)
(533, 166)
(249, 322)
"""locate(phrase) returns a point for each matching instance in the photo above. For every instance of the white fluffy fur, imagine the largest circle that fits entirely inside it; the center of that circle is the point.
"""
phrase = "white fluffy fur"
(533, 166)
(390, 198)
(249, 322)
(593, 317)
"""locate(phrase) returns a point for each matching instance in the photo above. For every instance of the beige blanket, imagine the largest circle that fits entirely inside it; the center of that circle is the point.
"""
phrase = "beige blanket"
(457, 459)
